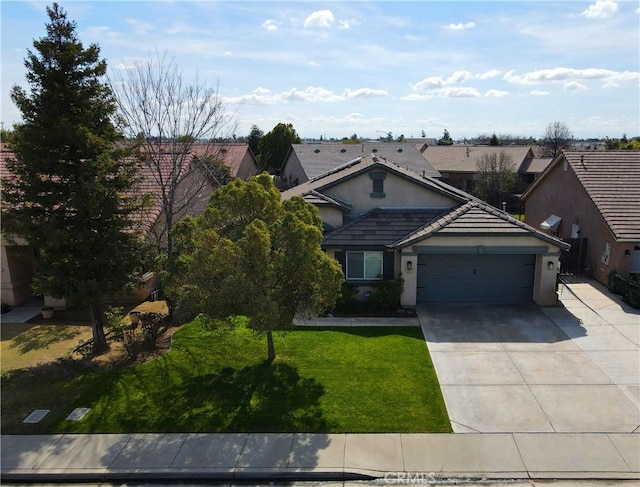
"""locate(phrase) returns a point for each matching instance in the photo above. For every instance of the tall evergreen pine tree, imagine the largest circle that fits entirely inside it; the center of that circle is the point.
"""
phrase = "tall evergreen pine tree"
(71, 196)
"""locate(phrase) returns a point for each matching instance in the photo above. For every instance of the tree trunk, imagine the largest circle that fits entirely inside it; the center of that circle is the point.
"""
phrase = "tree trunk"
(271, 351)
(97, 323)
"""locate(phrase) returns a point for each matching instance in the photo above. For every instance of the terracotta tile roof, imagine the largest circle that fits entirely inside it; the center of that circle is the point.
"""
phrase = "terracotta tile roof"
(476, 219)
(380, 227)
(232, 154)
(317, 159)
(464, 158)
(612, 181)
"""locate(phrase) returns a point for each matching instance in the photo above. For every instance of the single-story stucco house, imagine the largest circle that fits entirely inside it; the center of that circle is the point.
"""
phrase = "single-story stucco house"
(383, 220)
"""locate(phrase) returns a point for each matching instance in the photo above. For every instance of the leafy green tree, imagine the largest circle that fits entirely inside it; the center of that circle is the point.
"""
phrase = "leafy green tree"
(494, 141)
(275, 145)
(446, 138)
(496, 177)
(71, 193)
(255, 135)
(252, 254)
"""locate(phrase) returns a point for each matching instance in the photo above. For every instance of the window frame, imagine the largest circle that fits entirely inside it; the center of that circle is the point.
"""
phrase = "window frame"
(379, 275)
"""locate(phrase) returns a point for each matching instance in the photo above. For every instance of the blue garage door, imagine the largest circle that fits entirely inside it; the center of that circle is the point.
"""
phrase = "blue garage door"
(479, 278)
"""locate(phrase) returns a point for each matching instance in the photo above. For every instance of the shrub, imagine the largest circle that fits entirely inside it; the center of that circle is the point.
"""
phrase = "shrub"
(386, 293)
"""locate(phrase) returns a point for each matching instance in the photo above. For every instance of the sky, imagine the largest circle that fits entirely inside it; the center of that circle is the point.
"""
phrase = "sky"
(337, 68)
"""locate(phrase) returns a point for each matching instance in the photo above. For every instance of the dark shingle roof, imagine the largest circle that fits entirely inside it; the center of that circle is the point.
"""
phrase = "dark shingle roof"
(380, 227)
(612, 181)
(317, 159)
(475, 219)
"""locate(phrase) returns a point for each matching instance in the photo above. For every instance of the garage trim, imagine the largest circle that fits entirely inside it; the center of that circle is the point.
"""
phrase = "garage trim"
(480, 249)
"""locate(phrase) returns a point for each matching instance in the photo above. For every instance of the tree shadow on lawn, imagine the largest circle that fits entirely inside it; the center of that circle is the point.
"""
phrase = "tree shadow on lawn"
(257, 398)
(39, 337)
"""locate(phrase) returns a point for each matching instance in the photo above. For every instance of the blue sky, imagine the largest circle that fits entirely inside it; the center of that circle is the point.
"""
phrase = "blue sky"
(338, 68)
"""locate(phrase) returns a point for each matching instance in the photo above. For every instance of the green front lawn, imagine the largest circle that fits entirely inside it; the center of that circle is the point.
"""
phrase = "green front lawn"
(323, 380)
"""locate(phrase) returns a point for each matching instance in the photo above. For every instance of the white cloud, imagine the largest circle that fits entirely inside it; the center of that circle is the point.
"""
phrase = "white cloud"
(457, 92)
(602, 9)
(461, 26)
(496, 94)
(363, 93)
(563, 74)
(429, 83)
(539, 93)
(574, 86)
(492, 73)
(319, 18)
(139, 26)
(416, 97)
(459, 77)
(270, 25)
(263, 96)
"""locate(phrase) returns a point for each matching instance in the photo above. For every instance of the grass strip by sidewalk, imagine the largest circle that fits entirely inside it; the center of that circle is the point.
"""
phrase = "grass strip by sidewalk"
(369, 379)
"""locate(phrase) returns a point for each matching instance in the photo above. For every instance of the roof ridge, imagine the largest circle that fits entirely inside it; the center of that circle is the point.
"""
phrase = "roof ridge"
(341, 167)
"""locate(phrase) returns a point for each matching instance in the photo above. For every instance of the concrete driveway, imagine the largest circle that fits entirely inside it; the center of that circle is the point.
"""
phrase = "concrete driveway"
(521, 368)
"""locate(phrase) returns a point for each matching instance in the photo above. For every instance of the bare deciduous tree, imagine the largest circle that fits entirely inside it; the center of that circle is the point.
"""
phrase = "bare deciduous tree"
(556, 136)
(174, 121)
(496, 177)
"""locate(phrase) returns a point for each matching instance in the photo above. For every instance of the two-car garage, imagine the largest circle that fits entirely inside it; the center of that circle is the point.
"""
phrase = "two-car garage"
(475, 278)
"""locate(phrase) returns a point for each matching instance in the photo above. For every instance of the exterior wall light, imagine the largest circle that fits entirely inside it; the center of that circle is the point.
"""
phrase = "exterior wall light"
(627, 253)
(409, 266)
(550, 265)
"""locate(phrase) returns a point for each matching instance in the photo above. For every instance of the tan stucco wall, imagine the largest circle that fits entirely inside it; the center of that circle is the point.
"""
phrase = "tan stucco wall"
(293, 171)
(562, 194)
(16, 270)
(331, 216)
(399, 193)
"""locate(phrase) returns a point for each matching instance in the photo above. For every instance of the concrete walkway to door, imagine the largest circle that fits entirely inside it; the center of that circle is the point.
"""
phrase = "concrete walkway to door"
(521, 368)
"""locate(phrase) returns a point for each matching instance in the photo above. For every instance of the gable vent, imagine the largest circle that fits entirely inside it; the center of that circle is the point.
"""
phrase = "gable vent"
(343, 150)
(400, 149)
(316, 150)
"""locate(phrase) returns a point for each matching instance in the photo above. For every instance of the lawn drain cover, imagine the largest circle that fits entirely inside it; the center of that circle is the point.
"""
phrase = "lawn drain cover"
(36, 416)
(78, 413)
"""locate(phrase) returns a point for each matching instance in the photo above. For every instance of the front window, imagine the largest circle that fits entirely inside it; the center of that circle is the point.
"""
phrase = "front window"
(364, 265)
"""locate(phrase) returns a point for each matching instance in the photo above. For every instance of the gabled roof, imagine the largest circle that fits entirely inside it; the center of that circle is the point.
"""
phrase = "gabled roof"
(361, 165)
(231, 154)
(464, 158)
(476, 219)
(611, 179)
(537, 165)
(380, 227)
(317, 159)
(320, 199)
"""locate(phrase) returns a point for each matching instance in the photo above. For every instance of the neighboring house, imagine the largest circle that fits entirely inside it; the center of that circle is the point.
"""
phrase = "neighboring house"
(387, 221)
(593, 197)
(194, 191)
(307, 161)
(458, 164)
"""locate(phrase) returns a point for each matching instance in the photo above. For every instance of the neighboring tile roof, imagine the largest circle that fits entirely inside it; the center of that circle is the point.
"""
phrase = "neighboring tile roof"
(479, 219)
(464, 158)
(317, 159)
(231, 154)
(380, 227)
(612, 181)
(537, 165)
(363, 164)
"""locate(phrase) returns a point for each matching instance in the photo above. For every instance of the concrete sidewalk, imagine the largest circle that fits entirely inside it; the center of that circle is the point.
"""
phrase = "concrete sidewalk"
(289, 456)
